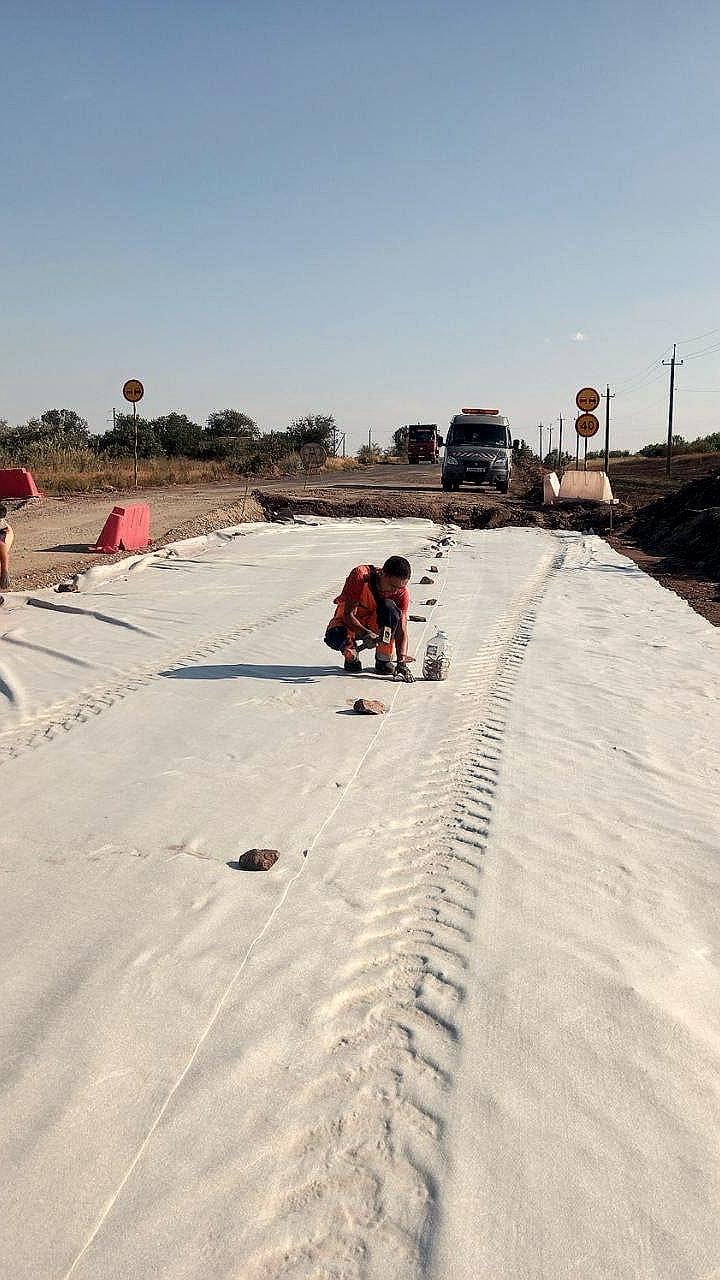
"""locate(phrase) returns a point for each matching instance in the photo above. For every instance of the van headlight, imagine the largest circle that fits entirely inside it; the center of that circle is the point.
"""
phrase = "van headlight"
(452, 458)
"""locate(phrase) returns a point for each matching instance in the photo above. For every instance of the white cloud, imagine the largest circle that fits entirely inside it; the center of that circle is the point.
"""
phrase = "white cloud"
(579, 337)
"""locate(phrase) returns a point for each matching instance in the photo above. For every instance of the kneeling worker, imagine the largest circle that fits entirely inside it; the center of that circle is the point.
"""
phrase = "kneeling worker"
(7, 537)
(371, 613)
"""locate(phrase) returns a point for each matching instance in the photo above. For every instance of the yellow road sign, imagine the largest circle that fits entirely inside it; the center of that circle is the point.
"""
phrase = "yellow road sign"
(587, 425)
(133, 390)
(587, 399)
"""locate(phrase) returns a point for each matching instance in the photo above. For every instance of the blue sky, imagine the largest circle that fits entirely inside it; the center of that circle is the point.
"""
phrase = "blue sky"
(387, 211)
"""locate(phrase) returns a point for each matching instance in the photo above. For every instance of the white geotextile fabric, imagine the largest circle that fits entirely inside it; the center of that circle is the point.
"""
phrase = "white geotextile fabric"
(467, 1026)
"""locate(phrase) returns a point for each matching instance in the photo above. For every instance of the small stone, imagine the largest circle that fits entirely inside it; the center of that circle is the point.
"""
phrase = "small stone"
(417, 617)
(433, 569)
(433, 601)
(257, 859)
(369, 707)
(425, 579)
(439, 555)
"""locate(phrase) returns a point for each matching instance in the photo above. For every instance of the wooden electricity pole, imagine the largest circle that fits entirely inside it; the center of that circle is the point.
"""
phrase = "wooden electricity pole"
(672, 364)
(608, 398)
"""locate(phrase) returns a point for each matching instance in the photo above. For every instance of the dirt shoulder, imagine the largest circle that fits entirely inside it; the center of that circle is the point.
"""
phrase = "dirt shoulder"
(53, 537)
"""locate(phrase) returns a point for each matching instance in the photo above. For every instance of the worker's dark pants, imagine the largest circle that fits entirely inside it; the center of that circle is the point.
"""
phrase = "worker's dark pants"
(344, 639)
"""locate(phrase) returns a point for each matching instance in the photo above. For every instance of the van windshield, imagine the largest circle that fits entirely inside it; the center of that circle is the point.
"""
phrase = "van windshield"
(478, 433)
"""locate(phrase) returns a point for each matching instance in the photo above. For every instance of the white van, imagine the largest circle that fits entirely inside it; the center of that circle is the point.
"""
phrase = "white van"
(478, 448)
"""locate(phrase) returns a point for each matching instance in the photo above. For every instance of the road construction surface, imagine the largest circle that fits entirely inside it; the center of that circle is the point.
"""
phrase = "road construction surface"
(467, 1026)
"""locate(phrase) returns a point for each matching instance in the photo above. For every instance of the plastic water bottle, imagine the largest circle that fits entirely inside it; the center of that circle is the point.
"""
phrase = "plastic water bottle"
(436, 663)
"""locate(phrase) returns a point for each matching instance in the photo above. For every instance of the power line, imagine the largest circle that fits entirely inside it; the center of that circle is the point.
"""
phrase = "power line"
(685, 342)
(625, 382)
(641, 385)
(705, 352)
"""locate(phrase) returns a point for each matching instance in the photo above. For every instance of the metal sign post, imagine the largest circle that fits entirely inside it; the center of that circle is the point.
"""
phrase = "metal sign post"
(587, 400)
(133, 391)
(608, 397)
(586, 426)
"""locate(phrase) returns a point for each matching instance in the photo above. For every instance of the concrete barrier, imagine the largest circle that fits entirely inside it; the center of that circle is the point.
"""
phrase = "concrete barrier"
(126, 529)
(551, 489)
(17, 482)
(585, 486)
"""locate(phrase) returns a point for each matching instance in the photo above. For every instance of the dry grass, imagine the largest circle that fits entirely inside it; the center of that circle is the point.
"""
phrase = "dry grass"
(85, 475)
(64, 471)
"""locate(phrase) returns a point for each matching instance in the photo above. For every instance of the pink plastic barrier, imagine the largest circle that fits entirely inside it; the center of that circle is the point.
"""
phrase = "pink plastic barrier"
(126, 529)
(17, 482)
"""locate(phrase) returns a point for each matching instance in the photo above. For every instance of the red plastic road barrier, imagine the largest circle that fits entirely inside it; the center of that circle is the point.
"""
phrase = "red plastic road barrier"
(126, 529)
(17, 482)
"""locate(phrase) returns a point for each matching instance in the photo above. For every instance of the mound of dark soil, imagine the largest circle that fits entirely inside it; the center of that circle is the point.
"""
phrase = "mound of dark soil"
(464, 509)
(528, 480)
(685, 525)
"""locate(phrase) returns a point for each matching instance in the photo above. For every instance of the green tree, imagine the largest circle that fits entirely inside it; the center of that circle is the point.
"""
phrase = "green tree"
(231, 422)
(369, 453)
(399, 445)
(524, 453)
(314, 428)
(229, 435)
(177, 435)
(119, 442)
(65, 425)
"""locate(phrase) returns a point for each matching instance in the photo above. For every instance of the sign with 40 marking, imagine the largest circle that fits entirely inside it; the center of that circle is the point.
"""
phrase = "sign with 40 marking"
(587, 425)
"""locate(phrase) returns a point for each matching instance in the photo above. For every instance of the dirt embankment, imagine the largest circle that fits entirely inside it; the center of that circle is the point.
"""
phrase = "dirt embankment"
(677, 540)
(469, 509)
(684, 525)
(686, 562)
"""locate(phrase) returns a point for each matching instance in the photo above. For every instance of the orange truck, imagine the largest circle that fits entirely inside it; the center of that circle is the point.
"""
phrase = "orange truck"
(423, 442)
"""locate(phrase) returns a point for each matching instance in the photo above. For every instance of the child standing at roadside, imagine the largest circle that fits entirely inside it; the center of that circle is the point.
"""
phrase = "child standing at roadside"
(7, 537)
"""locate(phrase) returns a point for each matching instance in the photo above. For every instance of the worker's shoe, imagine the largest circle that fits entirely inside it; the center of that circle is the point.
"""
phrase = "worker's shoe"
(352, 663)
(384, 666)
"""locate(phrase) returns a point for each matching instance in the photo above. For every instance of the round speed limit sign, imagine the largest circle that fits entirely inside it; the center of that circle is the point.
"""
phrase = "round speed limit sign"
(133, 390)
(587, 425)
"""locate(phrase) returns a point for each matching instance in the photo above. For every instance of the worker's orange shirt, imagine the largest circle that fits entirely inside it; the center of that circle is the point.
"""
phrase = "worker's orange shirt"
(357, 593)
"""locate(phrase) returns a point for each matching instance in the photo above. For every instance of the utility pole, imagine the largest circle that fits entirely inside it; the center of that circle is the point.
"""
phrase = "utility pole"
(608, 398)
(559, 457)
(369, 437)
(550, 431)
(113, 419)
(541, 428)
(672, 364)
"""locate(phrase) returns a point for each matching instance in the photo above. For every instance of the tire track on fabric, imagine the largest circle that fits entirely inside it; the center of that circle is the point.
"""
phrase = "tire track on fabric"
(362, 1189)
(62, 717)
